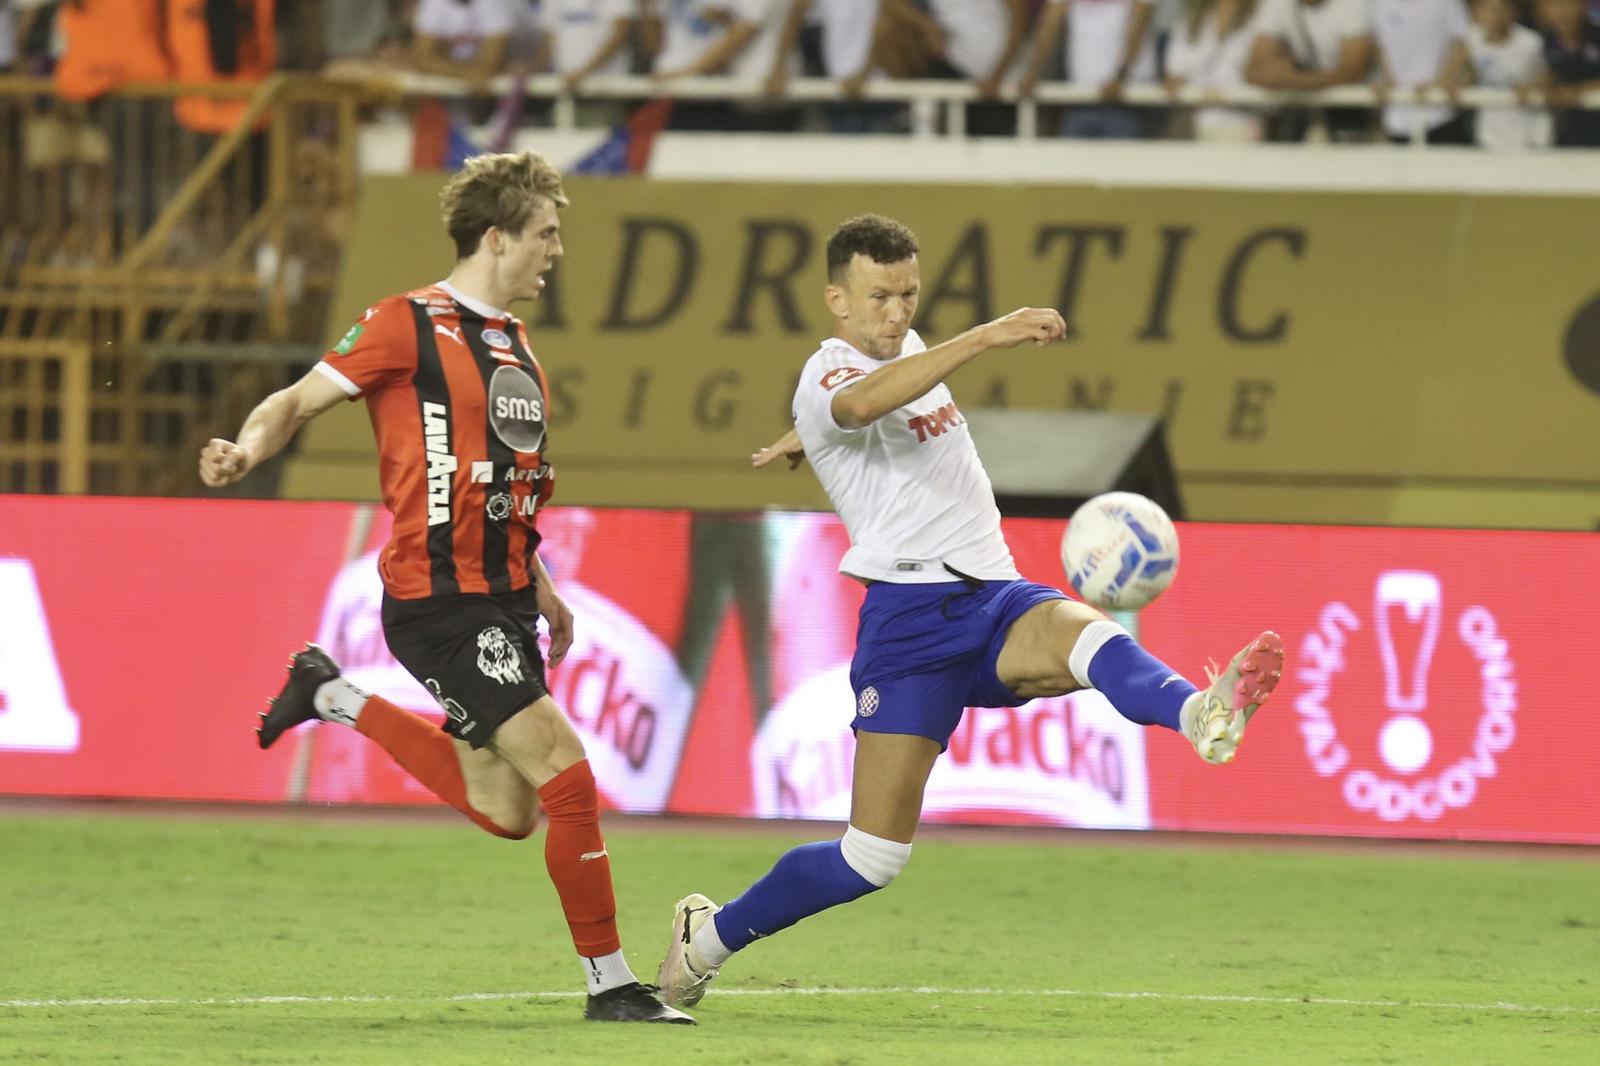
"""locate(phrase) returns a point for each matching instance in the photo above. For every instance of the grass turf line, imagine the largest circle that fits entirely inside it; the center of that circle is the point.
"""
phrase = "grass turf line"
(214, 910)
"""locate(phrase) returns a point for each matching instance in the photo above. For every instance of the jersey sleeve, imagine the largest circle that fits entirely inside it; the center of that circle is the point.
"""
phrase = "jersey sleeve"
(828, 371)
(381, 347)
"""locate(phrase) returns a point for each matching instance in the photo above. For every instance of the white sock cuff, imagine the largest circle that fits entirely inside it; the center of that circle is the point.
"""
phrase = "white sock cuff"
(605, 972)
(1090, 641)
(874, 858)
(337, 700)
(708, 945)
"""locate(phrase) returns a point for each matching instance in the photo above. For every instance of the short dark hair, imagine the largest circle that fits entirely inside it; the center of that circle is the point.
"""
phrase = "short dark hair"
(880, 239)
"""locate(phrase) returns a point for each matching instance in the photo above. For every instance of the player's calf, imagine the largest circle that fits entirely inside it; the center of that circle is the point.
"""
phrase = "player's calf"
(805, 881)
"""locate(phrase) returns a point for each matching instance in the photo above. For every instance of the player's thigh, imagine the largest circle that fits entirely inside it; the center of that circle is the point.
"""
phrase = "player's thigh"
(496, 789)
(538, 741)
(890, 774)
(1033, 660)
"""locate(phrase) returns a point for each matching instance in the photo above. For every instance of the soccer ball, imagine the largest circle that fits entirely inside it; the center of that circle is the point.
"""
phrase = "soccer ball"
(1120, 551)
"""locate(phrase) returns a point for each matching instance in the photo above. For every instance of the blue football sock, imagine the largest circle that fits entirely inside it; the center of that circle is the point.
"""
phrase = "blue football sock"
(806, 880)
(1141, 687)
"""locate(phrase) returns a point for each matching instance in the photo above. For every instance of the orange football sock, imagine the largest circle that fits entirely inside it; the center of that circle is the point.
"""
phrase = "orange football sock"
(424, 751)
(575, 854)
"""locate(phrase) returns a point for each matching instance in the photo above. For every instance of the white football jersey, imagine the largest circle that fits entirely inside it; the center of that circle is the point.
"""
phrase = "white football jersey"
(910, 487)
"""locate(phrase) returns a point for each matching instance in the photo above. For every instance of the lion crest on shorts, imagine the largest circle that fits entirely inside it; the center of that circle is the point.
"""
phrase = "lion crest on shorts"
(497, 658)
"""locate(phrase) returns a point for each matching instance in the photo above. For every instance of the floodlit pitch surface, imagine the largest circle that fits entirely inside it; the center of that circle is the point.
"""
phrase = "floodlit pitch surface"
(159, 939)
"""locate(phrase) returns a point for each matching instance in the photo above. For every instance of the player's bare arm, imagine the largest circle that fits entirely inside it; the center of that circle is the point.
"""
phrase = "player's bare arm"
(270, 427)
(432, 55)
(787, 447)
(892, 386)
(555, 611)
(738, 35)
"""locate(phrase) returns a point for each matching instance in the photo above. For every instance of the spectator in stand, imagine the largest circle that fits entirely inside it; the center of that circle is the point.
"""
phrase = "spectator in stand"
(8, 37)
(908, 42)
(362, 38)
(464, 39)
(109, 43)
(798, 21)
(1208, 49)
(221, 44)
(587, 37)
(982, 40)
(1422, 44)
(1505, 55)
(848, 34)
(738, 38)
(1572, 62)
(743, 39)
(1109, 43)
(37, 42)
(1313, 44)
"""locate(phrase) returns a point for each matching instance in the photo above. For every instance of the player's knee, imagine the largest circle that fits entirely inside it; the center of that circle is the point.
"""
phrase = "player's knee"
(877, 860)
(509, 821)
(1070, 618)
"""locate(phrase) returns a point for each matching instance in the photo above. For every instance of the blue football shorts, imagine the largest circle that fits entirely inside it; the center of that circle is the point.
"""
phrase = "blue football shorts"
(925, 653)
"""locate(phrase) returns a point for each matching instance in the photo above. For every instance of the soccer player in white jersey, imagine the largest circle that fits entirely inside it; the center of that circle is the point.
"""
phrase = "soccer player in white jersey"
(947, 622)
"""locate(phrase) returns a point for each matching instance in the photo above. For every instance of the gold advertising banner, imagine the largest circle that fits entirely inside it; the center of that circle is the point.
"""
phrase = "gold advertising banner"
(1327, 357)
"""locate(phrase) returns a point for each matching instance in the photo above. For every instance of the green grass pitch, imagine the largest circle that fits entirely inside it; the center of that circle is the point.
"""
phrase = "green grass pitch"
(152, 938)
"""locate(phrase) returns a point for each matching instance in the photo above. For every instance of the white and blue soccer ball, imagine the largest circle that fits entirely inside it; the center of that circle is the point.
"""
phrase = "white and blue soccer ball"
(1120, 551)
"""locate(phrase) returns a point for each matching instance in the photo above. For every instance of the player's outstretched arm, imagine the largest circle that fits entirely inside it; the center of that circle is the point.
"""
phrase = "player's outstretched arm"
(787, 447)
(271, 426)
(903, 380)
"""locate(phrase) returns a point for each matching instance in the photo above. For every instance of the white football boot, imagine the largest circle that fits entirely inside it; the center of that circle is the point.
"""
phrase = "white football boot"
(1214, 718)
(683, 977)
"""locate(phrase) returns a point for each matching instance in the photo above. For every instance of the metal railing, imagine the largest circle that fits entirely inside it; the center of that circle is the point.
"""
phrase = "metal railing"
(135, 254)
(937, 108)
(155, 281)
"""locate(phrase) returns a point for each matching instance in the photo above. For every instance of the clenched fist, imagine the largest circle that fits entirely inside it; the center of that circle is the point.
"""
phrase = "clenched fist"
(223, 462)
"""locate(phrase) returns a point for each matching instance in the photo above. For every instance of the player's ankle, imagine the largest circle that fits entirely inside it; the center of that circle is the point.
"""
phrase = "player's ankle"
(705, 951)
(337, 700)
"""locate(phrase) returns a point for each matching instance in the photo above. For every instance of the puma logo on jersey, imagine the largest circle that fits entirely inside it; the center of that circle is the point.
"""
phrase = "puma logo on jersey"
(449, 332)
(441, 464)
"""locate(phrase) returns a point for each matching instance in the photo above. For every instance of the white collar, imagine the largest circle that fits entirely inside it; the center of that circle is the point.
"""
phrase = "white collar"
(476, 306)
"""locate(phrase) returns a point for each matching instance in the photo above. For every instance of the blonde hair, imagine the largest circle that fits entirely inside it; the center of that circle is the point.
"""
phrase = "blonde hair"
(500, 190)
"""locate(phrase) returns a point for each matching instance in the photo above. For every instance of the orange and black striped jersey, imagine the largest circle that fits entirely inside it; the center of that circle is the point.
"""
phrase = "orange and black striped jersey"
(458, 405)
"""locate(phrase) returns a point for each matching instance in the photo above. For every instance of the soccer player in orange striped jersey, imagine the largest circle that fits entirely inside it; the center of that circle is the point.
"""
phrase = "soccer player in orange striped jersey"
(459, 407)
